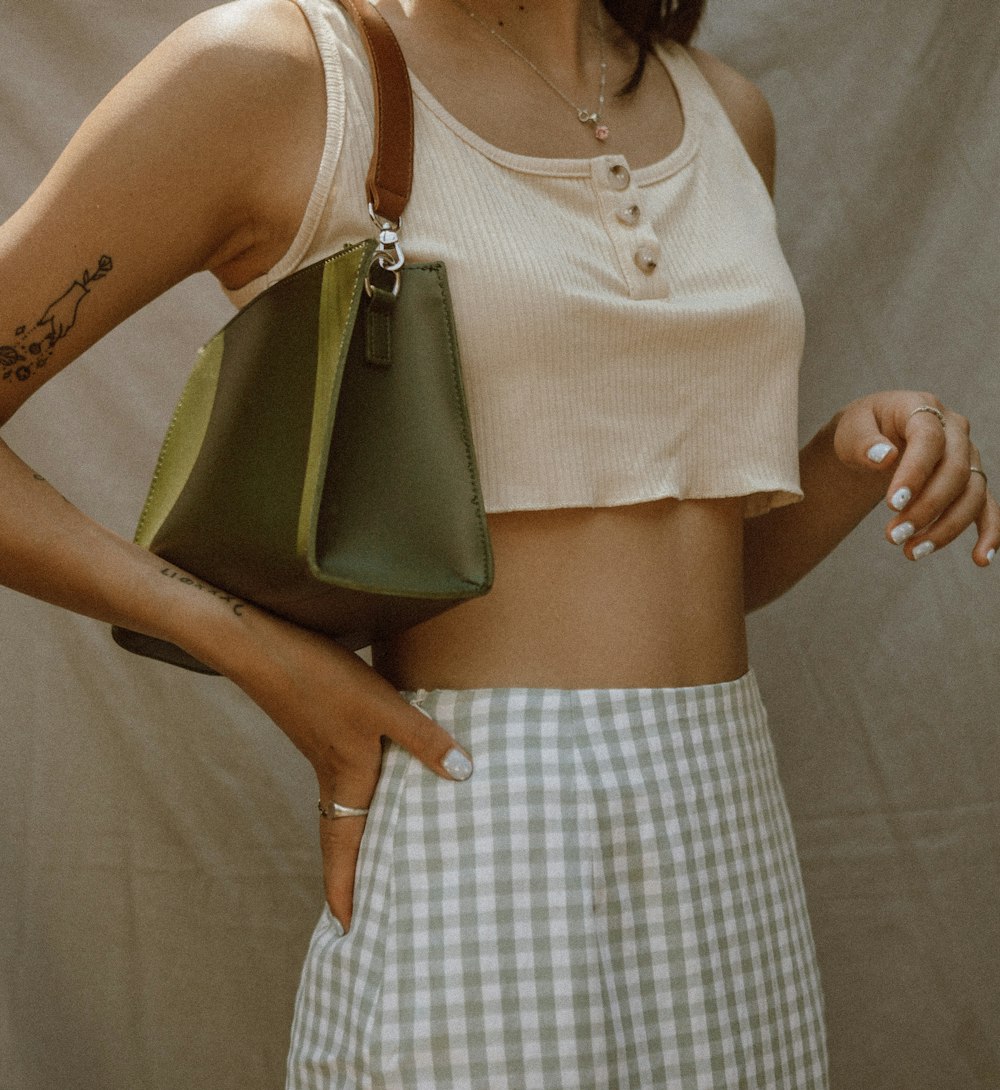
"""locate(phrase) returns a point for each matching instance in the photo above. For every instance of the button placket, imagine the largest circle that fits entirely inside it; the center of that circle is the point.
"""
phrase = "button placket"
(638, 249)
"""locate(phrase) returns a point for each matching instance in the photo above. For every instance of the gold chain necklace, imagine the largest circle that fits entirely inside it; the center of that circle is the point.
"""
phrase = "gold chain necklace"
(584, 116)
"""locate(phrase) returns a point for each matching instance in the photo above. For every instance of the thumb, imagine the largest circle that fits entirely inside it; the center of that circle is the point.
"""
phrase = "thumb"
(859, 442)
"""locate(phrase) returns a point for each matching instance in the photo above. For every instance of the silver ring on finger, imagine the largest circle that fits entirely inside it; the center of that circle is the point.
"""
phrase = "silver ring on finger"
(334, 810)
(976, 469)
(929, 409)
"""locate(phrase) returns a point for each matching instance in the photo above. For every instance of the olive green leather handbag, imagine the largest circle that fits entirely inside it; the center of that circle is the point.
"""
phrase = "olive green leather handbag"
(319, 462)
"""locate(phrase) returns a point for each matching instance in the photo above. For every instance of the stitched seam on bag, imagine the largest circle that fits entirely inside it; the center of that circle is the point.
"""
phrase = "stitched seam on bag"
(346, 332)
(378, 338)
(457, 394)
(164, 448)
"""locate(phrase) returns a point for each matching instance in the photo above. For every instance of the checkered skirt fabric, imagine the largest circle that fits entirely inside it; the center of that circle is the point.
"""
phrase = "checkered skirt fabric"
(612, 902)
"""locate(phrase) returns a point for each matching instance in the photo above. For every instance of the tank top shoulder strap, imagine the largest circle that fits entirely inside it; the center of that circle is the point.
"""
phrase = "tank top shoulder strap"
(704, 110)
(338, 45)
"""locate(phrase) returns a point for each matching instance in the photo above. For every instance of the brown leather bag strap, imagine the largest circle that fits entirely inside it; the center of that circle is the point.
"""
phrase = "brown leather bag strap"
(390, 176)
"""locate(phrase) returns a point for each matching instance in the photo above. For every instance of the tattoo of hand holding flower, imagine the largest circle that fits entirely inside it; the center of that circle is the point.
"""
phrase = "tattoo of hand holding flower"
(33, 346)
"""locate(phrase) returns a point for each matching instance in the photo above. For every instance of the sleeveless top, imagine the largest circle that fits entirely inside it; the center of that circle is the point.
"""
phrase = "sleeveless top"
(625, 334)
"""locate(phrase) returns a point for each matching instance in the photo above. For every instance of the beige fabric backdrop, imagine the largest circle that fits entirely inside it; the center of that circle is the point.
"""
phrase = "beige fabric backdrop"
(158, 876)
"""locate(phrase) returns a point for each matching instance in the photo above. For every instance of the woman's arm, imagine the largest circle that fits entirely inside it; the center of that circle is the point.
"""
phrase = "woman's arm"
(841, 480)
(877, 447)
(203, 158)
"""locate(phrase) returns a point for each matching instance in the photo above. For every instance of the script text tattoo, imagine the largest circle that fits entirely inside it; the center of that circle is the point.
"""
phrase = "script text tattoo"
(234, 603)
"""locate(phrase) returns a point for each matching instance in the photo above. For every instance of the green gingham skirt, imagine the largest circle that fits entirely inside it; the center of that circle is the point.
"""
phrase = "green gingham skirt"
(612, 902)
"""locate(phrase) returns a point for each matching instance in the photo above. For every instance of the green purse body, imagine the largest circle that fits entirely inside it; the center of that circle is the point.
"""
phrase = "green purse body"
(320, 462)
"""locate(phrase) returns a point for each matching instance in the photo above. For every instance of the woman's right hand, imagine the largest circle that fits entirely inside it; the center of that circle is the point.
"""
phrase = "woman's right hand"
(336, 710)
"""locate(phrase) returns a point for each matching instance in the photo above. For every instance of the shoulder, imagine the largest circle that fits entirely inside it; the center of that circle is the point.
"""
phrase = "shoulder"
(746, 107)
(220, 128)
(224, 75)
(238, 93)
(260, 45)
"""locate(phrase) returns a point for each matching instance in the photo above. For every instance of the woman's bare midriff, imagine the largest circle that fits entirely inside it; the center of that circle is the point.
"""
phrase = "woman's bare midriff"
(649, 594)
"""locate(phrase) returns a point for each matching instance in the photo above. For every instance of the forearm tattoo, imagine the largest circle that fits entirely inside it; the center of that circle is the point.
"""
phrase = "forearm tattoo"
(32, 345)
(234, 603)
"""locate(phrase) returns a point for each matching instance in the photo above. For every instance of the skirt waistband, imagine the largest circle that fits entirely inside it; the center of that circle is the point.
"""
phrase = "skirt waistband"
(741, 688)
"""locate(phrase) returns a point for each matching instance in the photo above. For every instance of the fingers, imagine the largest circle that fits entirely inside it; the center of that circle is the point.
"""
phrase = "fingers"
(353, 780)
(417, 732)
(937, 494)
(929, 452)
(340, 842)
(934, 448)
(337, 710)
(988, 525)
(368, 706)
(351, 775)
(429, 742)
(955, 519)
(932, 474)
(351, 783)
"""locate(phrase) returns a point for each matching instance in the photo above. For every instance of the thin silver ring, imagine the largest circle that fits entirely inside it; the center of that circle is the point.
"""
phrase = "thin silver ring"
(976, 469)
(335, 810)
(929, 409)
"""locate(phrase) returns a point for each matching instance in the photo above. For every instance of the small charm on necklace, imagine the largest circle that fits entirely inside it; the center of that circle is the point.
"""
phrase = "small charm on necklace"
(602, 132)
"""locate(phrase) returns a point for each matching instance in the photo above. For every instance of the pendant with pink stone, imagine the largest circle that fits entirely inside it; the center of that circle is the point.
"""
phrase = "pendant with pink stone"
(602, 132)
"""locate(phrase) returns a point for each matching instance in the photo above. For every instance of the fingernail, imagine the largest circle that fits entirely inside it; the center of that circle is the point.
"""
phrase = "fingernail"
(457, 765)
(900, 499)
(337, 927)
(989, 556)
(925, 548)
(879, 452)
(903, 532)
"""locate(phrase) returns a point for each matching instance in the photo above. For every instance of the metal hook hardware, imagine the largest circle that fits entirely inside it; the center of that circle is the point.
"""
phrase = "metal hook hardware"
(389, 255)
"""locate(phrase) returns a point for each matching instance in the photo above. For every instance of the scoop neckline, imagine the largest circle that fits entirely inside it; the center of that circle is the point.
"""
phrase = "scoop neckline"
(671, 55)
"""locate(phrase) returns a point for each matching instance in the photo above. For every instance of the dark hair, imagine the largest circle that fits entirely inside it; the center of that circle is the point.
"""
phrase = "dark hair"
(647, 22)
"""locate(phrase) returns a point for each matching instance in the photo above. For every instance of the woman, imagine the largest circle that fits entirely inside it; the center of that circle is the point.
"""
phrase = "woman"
(611, 898)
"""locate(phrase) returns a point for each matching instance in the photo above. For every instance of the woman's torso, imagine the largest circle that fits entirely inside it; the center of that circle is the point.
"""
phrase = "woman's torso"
(598, 593)
(619, 597)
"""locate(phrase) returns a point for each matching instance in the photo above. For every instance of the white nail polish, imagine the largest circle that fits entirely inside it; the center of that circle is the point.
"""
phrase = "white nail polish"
(903, 532)
(879, 452)
(900, 499)
(925, 548)
(989, 556)
(337, 927)
(457, 765)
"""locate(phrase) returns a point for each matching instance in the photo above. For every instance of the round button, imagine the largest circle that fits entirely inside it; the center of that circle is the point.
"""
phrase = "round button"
(619, 176)
(630, 216)
(647, 258)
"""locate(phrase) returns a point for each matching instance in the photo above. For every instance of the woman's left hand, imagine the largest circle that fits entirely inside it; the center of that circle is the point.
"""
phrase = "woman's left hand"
(938, 487)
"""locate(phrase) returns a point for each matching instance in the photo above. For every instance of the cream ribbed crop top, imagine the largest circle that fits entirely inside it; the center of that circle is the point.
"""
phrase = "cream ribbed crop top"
(625, 335)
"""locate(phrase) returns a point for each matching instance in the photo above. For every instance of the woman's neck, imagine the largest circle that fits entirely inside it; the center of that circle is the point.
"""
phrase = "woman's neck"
(561, 37)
